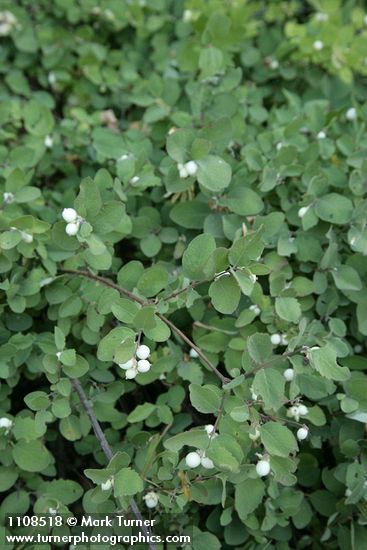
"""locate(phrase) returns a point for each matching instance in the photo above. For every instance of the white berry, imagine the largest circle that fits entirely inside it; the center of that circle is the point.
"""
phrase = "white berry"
(274, 64)
(72, 229)
(143, 365)
(131, 373)
(193, 459)
(143, 352)
(52, 511)
(193, 353)
(6, 423)
(127, 365)
(187, 16)
(351, 114)
(303, 211)
(262, 468)
(302, 434)
(288, 375)
(347, 493)
(191, 167)
(8, 197)
(358, 348)
(207, 463)
(209, 428)
(106, 486)
(275, 339)
(318, 45)
(48, 141)
(284, 340)
(69, 215)
(303, 410)
(183, 173)
(134, 180)
(151, 499)
(321, 135)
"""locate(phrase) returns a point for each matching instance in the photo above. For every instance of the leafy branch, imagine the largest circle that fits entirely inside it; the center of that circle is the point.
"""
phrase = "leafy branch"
(108, 451)
(163, 318)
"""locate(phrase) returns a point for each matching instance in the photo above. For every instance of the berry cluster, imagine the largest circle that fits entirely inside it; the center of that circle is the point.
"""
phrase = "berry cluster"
(137, 364)
(73, 221)
(296, 411)
(195, 458)
(279, 339)
(188, 169)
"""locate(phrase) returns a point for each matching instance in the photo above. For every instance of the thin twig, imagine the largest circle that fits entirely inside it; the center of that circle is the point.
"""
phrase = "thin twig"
(189, 342)
(220, 412)
(193, 284)
(163, 318)
(108, 452)
(215, 329)
(105, 282)
(269, 363)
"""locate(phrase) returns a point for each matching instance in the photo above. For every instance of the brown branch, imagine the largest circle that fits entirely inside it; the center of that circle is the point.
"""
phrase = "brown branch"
(189, 342)
(105, 282)
(163, 318)
(108, 451)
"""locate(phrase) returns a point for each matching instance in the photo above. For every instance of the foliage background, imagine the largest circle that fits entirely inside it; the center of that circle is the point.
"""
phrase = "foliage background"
(95, 94)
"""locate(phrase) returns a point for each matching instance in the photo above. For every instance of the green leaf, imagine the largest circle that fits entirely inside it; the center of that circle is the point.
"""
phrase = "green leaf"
(334, 208)
(127, 483)
(259, 347)
(269, 384)
(214, 173)
(31, 456)
(197, 261)
(145, 319)
(197, 438)
(141, 412)
(324, 361)
(346, 278)
(225, 294)
(125, 350)
(205, 399)
(277, 439)
(244, 201)
(88, 202)
(225, 452)
(108, 344)
(246, 249)
(248, 496)
(190, 214)
(37, 400)
(211, 61)
(70, 428)
(288, 309)
(153, 280)
(179, 144)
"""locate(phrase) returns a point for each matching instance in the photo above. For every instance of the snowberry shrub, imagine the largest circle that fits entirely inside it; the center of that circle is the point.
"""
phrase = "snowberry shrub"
(183, 258)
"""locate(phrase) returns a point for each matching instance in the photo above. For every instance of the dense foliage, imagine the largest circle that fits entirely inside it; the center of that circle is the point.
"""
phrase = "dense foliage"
(212, 158)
